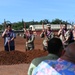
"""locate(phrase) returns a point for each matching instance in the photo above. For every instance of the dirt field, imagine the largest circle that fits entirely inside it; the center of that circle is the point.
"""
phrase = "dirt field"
(20, 58)
(20, 55)
(17, 62)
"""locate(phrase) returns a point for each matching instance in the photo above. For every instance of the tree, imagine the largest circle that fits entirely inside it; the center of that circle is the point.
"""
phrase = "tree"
(45, 21)
(56, 21)
(20, 25)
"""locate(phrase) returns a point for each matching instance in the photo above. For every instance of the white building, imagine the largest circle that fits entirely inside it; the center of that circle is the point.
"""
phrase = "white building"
(53, 27)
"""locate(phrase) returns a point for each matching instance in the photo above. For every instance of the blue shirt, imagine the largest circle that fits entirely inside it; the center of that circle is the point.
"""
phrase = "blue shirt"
(8, 36)
(35, 62)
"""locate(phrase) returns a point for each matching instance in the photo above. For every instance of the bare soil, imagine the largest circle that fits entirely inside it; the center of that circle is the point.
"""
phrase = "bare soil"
(17, 62)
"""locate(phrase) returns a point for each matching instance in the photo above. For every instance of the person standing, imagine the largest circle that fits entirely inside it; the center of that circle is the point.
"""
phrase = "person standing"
(47, 34)
(9, 36)
(55, 48)
(73, 32)
(65, 65)
(64, 35)
(30, 37)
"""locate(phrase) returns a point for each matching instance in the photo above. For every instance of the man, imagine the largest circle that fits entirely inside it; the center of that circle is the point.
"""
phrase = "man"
(73, 33)
(29, 36)
(9, 37)
(64, 35)
(65, 65)
(47, 35)
(54, 49)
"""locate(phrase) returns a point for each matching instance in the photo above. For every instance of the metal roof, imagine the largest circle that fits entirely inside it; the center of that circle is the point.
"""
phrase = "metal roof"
(53, 26)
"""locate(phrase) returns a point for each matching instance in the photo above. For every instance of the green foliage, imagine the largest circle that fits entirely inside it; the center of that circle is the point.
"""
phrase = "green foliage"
(20, 25)
(1, 27)
(58, 21)
(45, 21)
(17, 26)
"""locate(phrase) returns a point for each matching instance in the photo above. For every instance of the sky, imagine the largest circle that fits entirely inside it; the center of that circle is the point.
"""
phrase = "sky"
(29, 10)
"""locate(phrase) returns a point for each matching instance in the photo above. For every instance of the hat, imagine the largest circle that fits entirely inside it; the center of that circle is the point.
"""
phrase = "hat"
(48, 25)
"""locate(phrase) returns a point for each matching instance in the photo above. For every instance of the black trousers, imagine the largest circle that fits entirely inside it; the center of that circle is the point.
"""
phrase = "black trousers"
(12, 48)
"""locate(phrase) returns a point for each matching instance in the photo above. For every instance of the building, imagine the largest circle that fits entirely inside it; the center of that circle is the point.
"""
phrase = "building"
(53, 27)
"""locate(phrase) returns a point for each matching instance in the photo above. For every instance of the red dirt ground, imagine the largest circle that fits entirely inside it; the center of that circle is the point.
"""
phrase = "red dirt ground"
(17, 62)
(20, 55)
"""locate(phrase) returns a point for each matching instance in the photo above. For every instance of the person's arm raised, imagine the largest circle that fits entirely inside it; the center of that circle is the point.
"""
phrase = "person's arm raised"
(4, 33)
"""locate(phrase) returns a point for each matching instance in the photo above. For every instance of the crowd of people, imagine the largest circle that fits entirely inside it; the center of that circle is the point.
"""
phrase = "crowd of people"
(66, 36)
(55, 47)
(64, 65)
(61, 49)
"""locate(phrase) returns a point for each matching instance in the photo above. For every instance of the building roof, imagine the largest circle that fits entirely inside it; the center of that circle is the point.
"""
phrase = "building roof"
(53, 26)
